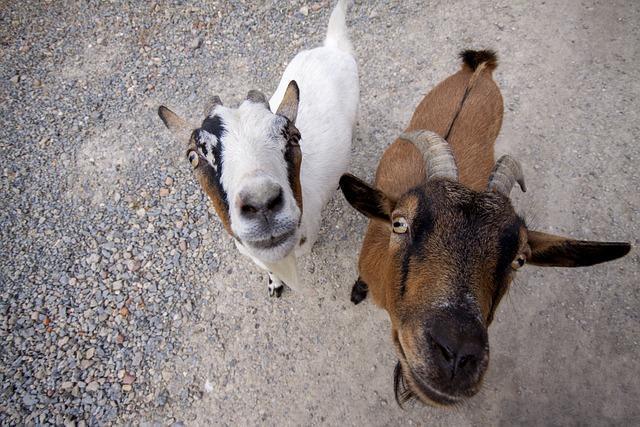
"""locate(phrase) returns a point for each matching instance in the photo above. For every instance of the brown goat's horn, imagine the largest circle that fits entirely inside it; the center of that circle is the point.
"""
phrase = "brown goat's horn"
(438, 157)
(258, 97)
(505, 174)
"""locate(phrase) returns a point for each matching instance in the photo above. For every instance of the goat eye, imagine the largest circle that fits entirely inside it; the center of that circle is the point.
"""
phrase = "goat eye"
(400, 225)
(193, 159)
(518, 262)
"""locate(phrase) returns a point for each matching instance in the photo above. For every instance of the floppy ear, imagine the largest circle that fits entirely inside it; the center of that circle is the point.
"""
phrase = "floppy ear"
(289, 105)
(178, 126)
(548, 250)
(366, 199)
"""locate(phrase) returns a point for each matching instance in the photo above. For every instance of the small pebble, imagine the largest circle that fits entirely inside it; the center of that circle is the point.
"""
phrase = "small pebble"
(90, 353)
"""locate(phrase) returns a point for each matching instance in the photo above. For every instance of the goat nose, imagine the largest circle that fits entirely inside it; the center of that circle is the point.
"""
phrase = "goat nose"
(265, 201)
(457, 352)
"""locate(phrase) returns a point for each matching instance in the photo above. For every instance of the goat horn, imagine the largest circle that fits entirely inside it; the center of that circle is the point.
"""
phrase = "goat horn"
(505, 174)
(438, 157)
(257, 96)
(213, 103)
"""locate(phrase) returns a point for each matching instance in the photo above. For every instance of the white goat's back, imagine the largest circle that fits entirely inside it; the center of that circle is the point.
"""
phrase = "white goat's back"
(327, 77)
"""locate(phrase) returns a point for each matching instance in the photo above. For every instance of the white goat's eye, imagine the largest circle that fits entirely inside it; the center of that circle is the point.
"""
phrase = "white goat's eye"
(400, 225)
(518, 262)
(193, 159)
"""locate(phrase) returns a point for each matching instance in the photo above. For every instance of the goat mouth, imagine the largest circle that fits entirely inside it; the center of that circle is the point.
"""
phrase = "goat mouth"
(271, 242)
(408, 386)
(431, 393)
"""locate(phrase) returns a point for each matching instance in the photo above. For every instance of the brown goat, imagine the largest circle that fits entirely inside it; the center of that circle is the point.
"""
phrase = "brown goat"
(444, 241)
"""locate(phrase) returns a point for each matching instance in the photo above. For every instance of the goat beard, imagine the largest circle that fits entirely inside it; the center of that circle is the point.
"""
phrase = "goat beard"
(401, 391)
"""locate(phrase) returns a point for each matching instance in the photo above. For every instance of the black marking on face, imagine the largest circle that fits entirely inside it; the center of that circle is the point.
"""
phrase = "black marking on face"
(421, 227)
(507, 249)
(214, 125)
(508, 246)
(207, 140)
(404, 271)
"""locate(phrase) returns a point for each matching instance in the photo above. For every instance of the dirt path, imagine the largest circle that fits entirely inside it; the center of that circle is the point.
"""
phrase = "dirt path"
(122, 300)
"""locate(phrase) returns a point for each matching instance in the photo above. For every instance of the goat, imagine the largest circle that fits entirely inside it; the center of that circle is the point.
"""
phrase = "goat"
(260, 169)
(444, 242)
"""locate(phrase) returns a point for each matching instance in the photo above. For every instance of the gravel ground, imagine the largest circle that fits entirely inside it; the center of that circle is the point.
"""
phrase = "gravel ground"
(123, 301)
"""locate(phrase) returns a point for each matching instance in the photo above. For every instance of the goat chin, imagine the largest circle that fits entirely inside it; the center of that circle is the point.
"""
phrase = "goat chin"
(274, 254)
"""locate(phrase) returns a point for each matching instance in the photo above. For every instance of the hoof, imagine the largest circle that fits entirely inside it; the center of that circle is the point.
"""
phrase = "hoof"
(275, 289)
(276, 292)
(359, 291)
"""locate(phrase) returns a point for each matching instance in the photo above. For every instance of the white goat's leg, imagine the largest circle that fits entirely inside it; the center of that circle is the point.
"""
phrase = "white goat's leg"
(275, 286)
(283, 272)
(287, 271)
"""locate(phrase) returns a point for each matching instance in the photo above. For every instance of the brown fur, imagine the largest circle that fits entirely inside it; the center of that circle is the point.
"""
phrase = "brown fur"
(442, 274)
(476, 126)
(294, 163)
(402, 165)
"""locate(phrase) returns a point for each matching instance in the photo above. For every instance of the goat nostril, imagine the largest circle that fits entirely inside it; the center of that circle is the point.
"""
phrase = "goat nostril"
(448, 356)
(464, 360)
(275, 202)
(248, 209)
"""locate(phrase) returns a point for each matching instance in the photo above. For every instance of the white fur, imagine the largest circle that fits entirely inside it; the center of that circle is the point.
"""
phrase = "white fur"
(329, 93)
(327, 77)
(253, 160)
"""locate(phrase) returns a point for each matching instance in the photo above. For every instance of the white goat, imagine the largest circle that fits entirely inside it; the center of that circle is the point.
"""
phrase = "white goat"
(270, 175)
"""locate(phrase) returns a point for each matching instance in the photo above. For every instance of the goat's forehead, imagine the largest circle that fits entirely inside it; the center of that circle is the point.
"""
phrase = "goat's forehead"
(250, 120)
(451, 200)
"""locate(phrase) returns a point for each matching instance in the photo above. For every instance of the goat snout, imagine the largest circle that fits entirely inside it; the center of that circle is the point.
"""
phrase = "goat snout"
(265, 199)
(459, 351)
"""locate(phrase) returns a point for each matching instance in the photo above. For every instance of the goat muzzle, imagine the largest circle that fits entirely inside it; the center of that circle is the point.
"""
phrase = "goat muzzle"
(438, 157)
(506, 172)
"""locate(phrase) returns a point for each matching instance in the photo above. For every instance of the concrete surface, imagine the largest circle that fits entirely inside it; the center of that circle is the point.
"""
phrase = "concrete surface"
(100, 213)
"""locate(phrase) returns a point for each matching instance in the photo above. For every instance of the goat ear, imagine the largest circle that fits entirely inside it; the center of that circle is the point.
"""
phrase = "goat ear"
(548, 250)
(366, 199)
(178, 126)
(289, 104)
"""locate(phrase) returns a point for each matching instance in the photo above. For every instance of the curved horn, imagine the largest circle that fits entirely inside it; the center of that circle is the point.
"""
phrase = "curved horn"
(258, 97)
(505, 174)
(213, 103)
(438, 157)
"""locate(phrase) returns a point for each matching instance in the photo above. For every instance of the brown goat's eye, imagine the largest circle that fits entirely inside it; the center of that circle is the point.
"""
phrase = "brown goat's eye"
(400, 225)
(518, 262)
(193, 159)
